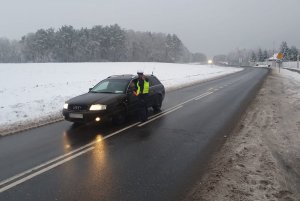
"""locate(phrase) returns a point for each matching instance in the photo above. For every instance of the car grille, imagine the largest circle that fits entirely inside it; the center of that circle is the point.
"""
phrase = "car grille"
(78, 107)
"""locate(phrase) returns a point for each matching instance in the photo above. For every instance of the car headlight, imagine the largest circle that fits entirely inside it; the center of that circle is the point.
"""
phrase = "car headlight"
(66, 106)
(98, 107)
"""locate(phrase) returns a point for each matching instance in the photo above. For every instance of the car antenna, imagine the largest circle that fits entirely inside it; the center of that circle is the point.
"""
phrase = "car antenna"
(153, 69)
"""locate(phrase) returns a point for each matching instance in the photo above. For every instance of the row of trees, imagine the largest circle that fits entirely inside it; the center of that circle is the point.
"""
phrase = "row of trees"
(243, 56)
(260, 55)
(247, 56)
(100, 43)
(290, 53)
(9, 51)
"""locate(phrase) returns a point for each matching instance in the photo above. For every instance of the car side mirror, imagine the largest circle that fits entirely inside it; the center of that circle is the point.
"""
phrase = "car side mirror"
(90, 89)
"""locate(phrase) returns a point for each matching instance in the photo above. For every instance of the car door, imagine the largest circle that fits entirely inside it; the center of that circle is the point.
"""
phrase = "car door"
(152, 91)
(131, 99)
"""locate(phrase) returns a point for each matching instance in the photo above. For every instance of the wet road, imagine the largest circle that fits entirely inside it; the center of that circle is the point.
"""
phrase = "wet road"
(159, 160)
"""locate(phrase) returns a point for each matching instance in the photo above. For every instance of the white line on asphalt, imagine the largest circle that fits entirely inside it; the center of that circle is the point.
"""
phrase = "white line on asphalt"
(153, 116)
(181, 104)
(44, 170)
(160, 113)
(203, 96)
(175, 107)
(207, 93)
(62, 156)
(190, 99)
(119, 131)
(186, 101)
(42, 165)
(140, 125)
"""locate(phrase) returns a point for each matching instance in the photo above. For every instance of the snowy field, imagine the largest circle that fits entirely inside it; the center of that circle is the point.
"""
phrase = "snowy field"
(33, 93)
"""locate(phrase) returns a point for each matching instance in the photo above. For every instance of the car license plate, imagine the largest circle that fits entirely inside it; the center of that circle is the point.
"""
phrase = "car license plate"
(76, 116)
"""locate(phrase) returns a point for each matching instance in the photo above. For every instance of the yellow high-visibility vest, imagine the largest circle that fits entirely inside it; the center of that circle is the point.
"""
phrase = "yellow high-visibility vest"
(146, 88)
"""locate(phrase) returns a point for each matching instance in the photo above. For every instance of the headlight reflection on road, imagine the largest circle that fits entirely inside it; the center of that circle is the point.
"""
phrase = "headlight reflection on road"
(99, 138)
(98, 166)
(99, 163)
(66, 143)
(82, 136)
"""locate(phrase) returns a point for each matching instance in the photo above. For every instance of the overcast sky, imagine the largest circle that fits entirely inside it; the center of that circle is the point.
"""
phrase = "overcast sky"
(208, 26)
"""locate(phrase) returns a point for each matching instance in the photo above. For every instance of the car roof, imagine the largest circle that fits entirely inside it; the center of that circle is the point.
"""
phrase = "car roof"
(125, 76)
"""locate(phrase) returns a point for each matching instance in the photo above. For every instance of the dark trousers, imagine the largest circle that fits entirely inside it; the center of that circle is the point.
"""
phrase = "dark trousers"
(143, 107)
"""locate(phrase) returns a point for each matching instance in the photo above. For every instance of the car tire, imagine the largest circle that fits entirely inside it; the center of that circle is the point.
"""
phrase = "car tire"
(158, 102)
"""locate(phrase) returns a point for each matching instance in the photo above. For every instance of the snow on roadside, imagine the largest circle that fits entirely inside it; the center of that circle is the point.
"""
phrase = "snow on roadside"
(290, 74)
(260, 159)
(290, 64)
(33, 93)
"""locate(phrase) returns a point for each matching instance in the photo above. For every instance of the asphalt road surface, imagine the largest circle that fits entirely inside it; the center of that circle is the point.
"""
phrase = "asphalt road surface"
(158, 160)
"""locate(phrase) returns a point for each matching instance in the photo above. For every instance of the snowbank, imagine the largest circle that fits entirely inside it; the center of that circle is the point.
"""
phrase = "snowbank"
(290, 64)
(260, 158)
(35, 93)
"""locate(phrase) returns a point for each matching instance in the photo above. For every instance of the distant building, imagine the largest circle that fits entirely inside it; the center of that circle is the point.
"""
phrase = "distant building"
(274, 57)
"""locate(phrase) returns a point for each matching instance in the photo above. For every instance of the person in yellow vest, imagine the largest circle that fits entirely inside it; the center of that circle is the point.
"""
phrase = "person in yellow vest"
(142, 93)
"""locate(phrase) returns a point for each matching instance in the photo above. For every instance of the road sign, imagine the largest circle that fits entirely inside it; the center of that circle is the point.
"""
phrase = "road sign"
(279, 56)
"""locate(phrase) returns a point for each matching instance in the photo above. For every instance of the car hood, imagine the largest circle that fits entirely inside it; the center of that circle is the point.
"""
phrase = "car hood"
(95, 98)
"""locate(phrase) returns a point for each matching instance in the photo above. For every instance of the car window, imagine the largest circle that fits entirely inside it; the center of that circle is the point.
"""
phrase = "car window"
(101, 86)
(153, 81)
(110, 86)
(132, 86)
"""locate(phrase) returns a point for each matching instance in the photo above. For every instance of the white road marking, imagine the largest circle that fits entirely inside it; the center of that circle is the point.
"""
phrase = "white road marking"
(61, 157)
(84, 149)
(204, 95)
(209, 92)
(187, 101)
(44, 170)
(162, 112)
(42, 165)
(160, 116)
(176, 107)
(119, 131)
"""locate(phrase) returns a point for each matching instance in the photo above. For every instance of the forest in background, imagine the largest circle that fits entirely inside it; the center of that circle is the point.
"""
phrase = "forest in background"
(97, 44)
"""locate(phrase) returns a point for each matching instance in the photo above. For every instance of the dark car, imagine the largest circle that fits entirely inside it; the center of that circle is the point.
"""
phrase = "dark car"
(112, 99)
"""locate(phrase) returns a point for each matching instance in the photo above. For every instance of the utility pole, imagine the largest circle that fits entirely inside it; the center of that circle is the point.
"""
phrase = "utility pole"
(298, 61)
(280, 57)
(274, 60)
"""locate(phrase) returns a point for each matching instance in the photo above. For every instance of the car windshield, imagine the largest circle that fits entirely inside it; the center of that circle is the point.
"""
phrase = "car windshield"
(111, 86)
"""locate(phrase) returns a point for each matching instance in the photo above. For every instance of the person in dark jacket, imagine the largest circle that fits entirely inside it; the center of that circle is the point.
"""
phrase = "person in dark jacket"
(142, 93)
